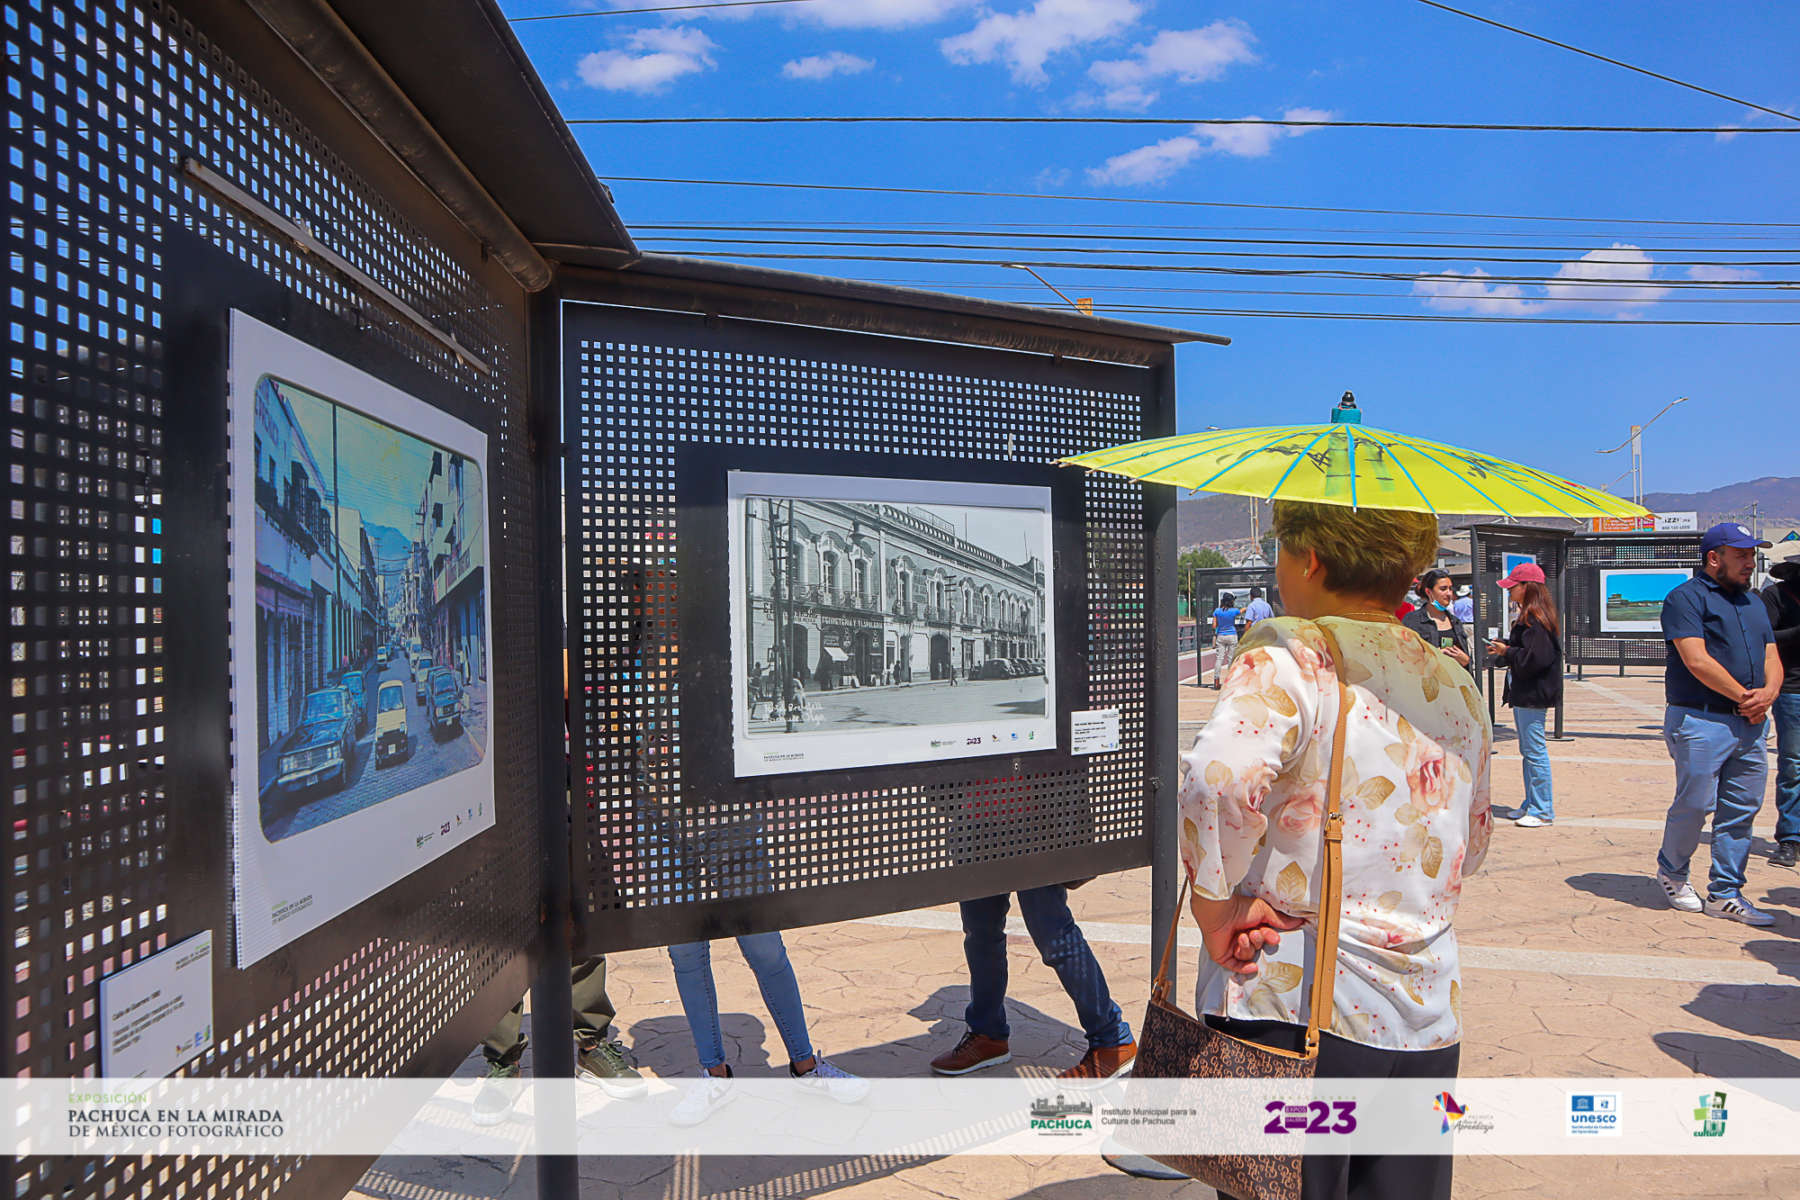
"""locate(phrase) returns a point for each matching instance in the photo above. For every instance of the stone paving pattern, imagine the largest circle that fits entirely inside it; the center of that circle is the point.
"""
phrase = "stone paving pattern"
(1573, 966)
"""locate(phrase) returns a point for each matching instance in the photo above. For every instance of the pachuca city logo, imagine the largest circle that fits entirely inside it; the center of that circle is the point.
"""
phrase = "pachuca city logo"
(1061, 1114)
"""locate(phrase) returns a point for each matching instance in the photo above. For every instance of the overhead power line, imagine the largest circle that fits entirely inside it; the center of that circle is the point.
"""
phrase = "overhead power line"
(634, 12)
(1439, 317)
(1145, 252)
(1209, 122)
(1538, 37)
(949, 227)
(1587, 282)
(1134, 289)
(1089, 199)
(929, 231)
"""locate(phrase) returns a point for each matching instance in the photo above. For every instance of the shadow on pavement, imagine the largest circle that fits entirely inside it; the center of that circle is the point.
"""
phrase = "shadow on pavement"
(1763, 1010)
(1640, 891)
(1727, 1058)
(1113, 1183)
(1780, 955)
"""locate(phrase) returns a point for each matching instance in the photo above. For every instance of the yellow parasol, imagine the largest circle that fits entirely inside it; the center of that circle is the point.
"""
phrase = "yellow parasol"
(1349, 463)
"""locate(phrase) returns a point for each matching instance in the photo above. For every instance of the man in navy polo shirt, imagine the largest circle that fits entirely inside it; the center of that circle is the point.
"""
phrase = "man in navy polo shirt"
(1723, 674)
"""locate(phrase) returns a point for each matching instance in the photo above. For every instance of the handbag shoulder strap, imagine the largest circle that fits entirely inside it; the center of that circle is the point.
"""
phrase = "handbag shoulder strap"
(1331, 887)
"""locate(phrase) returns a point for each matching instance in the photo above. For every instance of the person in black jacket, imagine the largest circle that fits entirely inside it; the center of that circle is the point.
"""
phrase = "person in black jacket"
(1434, 621)
(1532, 655)
(1782, 598)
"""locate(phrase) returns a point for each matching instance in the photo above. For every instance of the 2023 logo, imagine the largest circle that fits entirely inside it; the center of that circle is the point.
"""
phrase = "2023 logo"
(1315, 1117)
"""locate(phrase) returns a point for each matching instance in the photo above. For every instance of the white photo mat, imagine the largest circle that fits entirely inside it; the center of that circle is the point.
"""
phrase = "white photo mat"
(789, 753)
(285, 888)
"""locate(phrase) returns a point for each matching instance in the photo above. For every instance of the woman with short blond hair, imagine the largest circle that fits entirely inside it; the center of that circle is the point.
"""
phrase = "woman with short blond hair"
(1413, 797)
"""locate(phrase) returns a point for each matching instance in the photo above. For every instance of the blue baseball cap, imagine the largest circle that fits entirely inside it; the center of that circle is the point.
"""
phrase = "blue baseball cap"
(1730, 533)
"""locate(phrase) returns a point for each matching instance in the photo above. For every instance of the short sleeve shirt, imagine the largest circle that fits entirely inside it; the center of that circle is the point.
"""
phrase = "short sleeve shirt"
(1225, 621)
(1258, 610)
(1735, 626)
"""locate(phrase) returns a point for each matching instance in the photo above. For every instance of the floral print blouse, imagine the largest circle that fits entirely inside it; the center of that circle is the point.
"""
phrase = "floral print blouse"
(1416, 822)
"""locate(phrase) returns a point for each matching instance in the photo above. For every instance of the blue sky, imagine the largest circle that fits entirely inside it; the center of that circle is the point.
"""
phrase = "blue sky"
(379, 471)
(1638, 588)
(1549, 395)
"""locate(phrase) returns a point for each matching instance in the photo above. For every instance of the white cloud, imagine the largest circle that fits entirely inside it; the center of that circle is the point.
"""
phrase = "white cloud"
(1455, 292)
(1148, 164)
(1620, 263)
(1188, 56)
(1027, 39)
(1721, 274)
(1156, 162)
(877, 14)
(824, 66)
(652, 59)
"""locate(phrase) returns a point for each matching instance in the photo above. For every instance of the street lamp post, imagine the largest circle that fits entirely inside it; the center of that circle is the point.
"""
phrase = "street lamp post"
(1636, 442)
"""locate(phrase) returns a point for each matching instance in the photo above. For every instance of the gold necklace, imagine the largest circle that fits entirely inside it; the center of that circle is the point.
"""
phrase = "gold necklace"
(1366, 616)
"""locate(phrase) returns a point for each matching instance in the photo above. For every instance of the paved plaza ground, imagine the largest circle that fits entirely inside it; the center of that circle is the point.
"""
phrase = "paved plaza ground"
(1572, 966)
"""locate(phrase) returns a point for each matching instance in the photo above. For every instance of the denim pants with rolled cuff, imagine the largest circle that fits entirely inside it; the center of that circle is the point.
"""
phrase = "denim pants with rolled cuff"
(730, 859)
(1059, 940)
(1540, 799)
(1787, 767)
(1721, 768)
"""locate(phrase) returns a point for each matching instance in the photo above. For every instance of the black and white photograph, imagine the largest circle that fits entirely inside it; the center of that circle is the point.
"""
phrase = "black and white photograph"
(880, 621)
(361, 656)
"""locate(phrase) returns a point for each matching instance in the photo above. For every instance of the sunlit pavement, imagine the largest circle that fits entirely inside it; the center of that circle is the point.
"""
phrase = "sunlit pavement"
(1572, 966)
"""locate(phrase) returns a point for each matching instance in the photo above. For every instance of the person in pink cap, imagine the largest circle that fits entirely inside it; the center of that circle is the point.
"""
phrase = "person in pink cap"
(1532, 656)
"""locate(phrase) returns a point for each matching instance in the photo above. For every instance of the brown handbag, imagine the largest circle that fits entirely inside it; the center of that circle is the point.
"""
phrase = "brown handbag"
(1174, 1045)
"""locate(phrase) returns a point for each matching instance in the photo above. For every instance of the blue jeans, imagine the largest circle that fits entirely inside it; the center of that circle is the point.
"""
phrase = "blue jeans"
(1064, 950)
(726, 860)
(1720, 768)
(1787, 773)
(1540, 799)
(767, 956)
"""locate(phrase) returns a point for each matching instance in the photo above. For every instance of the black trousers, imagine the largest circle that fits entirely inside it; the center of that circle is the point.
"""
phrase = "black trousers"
(1361, 1177)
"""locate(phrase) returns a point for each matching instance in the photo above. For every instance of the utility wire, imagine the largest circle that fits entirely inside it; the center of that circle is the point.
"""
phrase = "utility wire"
(1209, 122)
(1145, 252)
(1440, 318)
(1378, 212)
(1282, 272)
(1133, 289)
(633, 12)
(906, 231)
(1537, 37)
(947, 227)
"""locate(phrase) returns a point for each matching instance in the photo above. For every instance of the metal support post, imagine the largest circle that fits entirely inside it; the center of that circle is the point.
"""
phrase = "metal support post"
(1164, 730)
(552, 1006)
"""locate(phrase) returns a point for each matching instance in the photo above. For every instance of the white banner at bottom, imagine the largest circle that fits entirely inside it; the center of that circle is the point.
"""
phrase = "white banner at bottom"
(455, 1117)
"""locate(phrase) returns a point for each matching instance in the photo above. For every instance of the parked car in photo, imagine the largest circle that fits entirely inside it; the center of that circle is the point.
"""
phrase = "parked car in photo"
(392, 738)
(421, 672)
(443, 705)
(359, 700)
(322, 745)
(413, 649)
(381, 655)
(995, 668)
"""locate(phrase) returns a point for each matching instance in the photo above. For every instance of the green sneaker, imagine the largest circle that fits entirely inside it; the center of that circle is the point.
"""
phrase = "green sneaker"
(609, 1064)
(500, 1090)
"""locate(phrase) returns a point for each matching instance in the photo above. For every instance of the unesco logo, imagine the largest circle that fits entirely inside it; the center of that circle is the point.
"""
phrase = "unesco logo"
(1594, 1114)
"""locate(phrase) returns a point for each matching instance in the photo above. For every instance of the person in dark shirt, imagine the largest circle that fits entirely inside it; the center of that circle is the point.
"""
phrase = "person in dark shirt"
(1532, 656)
(1722, 676)
(1782, 599)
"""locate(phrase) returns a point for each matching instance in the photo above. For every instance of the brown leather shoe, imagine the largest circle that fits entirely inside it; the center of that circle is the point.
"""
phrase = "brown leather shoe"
(974, 1052)
(1102, 1062)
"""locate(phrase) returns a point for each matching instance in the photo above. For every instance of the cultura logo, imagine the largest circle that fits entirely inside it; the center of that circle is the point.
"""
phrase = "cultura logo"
(1711, 1115)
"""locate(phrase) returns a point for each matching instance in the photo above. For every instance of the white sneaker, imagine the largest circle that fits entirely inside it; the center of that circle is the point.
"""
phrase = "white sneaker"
(703, 1098)
(1528, 821)
(1680, 893)
(829, 1079)
(1736, 908)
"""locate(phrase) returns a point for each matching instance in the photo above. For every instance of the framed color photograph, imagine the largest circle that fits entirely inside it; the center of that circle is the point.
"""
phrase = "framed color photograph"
(360, 634)
(880, 621)
(1631, 600)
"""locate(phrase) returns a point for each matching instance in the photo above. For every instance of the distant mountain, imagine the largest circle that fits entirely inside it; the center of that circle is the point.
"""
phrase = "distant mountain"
(390, 546)
(1224, 521)
(1777, 498)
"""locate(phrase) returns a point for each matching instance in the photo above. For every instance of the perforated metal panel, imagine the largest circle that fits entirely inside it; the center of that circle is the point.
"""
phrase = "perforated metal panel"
(658, 867)
(116, 799)
(1584, 558)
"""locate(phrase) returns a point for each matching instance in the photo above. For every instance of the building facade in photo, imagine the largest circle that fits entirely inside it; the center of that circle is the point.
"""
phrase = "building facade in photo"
(450, 574)
(874, 594)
